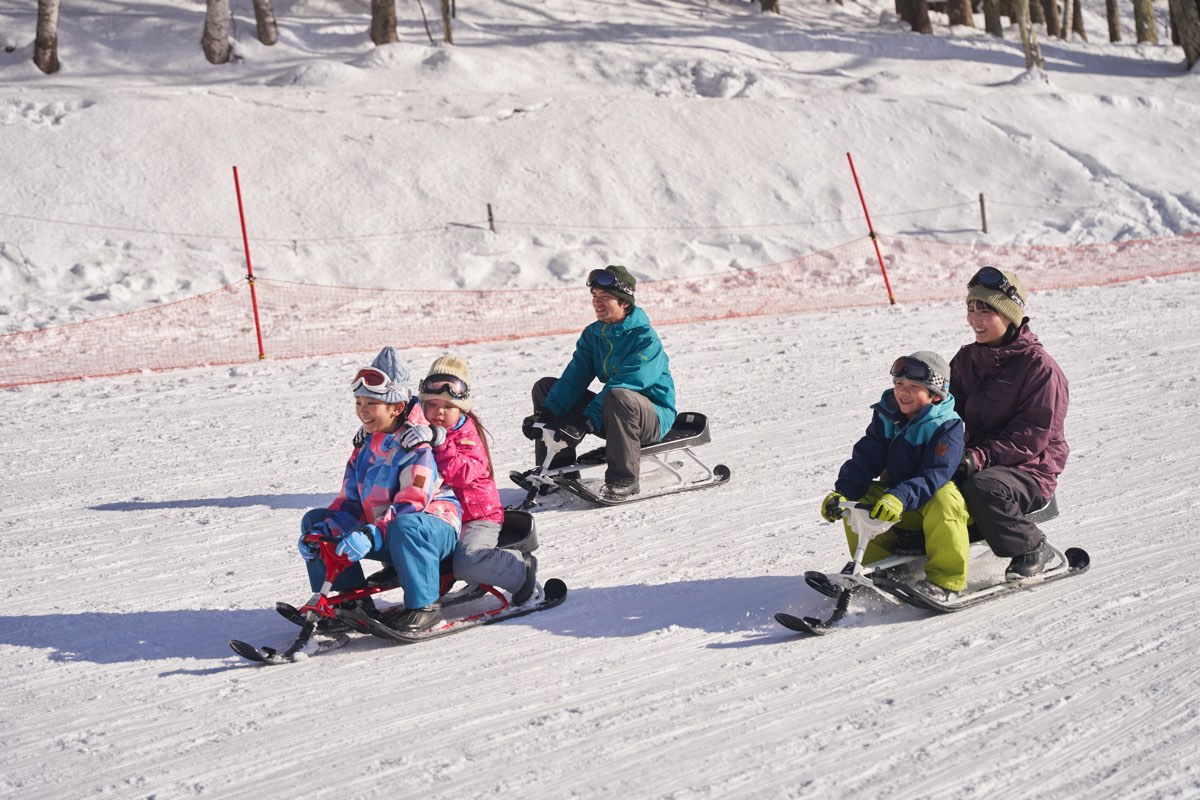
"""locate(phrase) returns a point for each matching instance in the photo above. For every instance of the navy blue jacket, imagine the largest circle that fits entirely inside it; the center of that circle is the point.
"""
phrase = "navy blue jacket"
(914, 458)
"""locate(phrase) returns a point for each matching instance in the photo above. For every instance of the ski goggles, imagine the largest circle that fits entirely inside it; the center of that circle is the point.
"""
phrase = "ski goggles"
(993, 278)
(606, 280)
(452, 385)
(919, 371)
(373, 380)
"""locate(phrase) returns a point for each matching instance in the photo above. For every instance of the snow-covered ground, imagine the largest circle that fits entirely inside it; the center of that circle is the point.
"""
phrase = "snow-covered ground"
(148, 519)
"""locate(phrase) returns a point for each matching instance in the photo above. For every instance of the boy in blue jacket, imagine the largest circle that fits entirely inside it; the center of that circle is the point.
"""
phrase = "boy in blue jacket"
(636, 405)
(912, 446)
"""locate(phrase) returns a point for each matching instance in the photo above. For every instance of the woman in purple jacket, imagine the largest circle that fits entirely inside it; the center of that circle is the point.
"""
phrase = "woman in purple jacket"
(1013, 398)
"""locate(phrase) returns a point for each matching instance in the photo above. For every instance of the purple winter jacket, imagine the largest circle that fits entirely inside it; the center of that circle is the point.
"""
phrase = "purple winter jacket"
(1013, 399)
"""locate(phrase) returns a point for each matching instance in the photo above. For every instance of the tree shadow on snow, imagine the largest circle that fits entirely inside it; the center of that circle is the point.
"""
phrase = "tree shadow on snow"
(299, 502)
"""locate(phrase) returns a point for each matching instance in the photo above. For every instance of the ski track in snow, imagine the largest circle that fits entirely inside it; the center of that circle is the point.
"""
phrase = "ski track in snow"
(151, 518)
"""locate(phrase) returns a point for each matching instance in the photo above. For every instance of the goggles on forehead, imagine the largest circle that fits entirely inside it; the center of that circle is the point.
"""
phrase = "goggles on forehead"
(373, 380)
(993, 278)
(452, 385)
(919, 371)
(606, 280)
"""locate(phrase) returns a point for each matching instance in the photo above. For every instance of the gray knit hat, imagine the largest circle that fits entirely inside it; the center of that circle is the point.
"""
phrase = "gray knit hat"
(935, 377)
(395, 390)
(1008, 297)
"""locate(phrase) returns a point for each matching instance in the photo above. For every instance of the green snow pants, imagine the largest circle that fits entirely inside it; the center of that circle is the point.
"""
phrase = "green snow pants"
(943, 520)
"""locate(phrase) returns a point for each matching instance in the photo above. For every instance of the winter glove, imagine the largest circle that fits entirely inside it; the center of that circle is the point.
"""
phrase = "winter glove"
(573, 434)
(310, 550)
(889, 508)
(435, 435)
(967, 468)
(829, 507)
(356, 545)
(360, 437)
(542, 415)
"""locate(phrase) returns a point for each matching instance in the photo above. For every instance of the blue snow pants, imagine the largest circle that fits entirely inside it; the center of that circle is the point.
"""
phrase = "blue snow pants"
(415, 544)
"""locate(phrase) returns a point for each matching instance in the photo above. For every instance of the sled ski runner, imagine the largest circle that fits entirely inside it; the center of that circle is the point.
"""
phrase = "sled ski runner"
(328, 618)
(884, 576)
(667, 467)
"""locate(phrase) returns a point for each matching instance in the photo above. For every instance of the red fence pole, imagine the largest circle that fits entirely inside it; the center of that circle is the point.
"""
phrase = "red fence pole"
(874, 239)
(249, 267)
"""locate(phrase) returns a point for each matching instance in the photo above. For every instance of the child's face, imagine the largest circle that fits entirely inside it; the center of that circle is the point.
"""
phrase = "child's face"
(377, 416)
(440, 412)
(911, 396)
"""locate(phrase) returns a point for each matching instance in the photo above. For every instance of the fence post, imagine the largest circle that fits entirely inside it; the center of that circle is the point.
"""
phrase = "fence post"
(982, 212)
(249, 268)
(874, 239)
(491, 220)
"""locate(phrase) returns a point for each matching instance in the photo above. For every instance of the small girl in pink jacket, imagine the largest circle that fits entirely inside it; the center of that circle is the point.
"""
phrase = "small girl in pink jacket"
(465, 465)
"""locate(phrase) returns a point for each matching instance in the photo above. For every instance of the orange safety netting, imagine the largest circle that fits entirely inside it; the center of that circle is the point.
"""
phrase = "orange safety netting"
(301, 320)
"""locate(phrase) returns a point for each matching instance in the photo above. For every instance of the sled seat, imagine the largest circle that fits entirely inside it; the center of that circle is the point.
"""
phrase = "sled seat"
(517, 532)
(690, 429)
(1046, 513)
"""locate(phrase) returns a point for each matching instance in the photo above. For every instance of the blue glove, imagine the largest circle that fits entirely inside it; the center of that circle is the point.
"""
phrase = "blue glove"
(309, 551)
(356, 545)
(416, 434)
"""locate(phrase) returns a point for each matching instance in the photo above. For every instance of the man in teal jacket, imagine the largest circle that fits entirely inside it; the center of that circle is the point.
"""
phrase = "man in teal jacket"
(635, 406)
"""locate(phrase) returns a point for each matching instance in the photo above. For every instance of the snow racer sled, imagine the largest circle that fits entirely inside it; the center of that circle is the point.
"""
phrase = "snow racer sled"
(667, 466)
(894, 576)
(354, 611)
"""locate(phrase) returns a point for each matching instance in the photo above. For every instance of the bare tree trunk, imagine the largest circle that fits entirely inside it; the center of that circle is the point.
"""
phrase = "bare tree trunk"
(1186, 14)
(383, 21)
(45, 46)
(264, 19)
(960, 13)
(1143, 21)
(769, 6)
(1077, 20)
(1114, 20)
(919, 10)
(1036, 15)
(215, 39)
(447, 35)
(904, 11)
(1029, 43)
(1053, 24)
(991, 18)
(1064, 32)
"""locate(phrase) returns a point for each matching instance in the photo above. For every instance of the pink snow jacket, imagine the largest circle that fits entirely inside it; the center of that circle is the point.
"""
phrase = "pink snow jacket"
(463, 464)
(383, 480)
(1013, 398)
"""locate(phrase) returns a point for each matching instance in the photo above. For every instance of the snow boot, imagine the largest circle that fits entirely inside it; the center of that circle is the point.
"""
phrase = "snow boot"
(1028, 564)
(413, 620)
(933, 591)
(619, 491)
(521, 596)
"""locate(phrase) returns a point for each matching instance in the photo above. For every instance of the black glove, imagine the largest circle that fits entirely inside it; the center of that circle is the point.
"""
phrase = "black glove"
(967, 468)
(573, 434)
(542, 415)
(359, 438)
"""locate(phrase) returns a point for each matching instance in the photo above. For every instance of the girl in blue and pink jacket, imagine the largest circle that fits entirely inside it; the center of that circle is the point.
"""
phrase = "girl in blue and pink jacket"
(393, 505)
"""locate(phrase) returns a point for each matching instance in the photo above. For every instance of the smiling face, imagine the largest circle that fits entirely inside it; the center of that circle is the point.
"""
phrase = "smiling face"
(608, 308)
(440, 412)
(911, 396)
(989, 326)
(377, 416)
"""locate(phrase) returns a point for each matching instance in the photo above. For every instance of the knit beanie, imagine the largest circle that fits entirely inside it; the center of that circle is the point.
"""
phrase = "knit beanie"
(939, 372)
(450, 365)
(623, 275)
(1005, 306)
(389, 364)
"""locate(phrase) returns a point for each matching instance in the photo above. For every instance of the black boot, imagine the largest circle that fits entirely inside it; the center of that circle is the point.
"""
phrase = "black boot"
(412, 620)
(521, 596)
(1028, 564)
